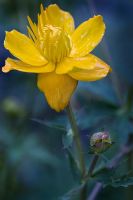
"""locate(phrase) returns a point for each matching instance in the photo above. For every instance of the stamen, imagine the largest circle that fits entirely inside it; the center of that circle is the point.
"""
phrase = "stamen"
(55, 44)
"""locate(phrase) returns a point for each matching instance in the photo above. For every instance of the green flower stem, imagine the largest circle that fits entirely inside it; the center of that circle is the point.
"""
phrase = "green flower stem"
(77, 140)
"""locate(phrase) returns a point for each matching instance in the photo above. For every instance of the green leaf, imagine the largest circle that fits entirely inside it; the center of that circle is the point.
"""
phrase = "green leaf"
(74, 165)
(67, 140)
(73, 194)
(50, 124)
(114, 177)
(31, 148)
(123, 181)
(100, 113)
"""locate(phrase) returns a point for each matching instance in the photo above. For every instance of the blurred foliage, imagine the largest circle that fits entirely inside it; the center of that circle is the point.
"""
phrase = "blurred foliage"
(36, 144)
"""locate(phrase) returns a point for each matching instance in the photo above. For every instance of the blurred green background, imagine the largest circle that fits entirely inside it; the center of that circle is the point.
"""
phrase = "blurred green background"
(34, 164)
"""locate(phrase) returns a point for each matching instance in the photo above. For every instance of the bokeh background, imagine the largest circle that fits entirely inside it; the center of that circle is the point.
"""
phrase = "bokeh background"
(33, 159)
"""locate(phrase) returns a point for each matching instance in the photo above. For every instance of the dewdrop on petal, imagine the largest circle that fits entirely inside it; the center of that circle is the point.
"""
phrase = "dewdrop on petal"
(100, 142)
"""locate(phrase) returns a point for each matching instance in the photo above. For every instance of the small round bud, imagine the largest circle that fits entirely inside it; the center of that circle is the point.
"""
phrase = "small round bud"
(100, 142)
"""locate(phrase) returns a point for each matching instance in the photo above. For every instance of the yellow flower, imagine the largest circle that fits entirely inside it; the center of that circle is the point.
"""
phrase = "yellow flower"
(58, 53)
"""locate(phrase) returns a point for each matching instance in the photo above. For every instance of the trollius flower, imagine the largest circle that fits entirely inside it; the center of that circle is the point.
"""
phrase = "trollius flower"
(58, 53)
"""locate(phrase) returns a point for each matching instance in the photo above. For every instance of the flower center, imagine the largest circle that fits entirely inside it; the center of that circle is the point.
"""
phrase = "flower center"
(56, 43)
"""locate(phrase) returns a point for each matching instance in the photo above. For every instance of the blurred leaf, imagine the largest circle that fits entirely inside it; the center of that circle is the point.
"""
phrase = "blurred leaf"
(31, 149)
(95, 113)
(121, 126)
(73, 194)
(50, 124)
(123, 181)
(103, 89)
(67, 139)
(115, 176)
(74, 165)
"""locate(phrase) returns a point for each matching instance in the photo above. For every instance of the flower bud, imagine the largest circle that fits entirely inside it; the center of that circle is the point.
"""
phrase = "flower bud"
(100, 142)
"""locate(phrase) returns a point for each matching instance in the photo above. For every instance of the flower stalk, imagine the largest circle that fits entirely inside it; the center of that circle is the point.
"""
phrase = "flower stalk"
(93, 164)
(77, 140)
(91, 168)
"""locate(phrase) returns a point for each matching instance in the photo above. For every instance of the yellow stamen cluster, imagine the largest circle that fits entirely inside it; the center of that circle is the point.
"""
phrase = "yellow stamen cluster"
(55, 43)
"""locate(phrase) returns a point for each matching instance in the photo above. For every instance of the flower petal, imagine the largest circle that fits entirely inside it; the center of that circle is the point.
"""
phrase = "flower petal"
(23, 48)
(57, 89)
(12, 64)
(87, 36)
(55, 16)
(97, 69)
(68, 64)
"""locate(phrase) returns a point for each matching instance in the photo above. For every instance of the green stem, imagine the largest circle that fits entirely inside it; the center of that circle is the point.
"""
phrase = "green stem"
(93, 164)
(91, 168)
(77, 140)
